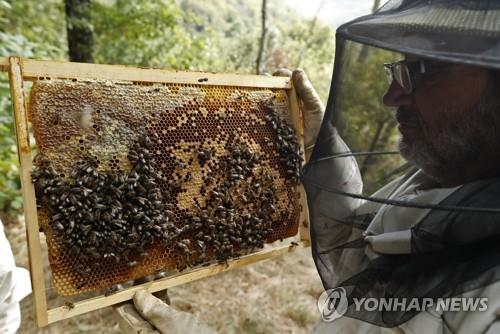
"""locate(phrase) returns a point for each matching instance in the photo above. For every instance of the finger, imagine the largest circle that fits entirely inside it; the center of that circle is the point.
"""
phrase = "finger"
(131, 322)
(164, 318)
(306, 92)
(154, 311)
(282, 72)
(312, 107)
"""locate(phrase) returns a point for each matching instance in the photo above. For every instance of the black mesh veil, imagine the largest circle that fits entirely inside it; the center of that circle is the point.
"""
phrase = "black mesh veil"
(411, 238)
(464, 31)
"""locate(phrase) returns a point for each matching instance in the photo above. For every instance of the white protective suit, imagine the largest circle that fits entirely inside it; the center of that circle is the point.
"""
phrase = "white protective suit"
(14, 286)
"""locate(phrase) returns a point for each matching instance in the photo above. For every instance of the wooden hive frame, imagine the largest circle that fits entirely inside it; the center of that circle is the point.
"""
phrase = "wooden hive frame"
(21, 70)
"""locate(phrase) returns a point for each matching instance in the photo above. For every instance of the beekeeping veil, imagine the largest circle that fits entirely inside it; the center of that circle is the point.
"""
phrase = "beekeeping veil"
(450, 245)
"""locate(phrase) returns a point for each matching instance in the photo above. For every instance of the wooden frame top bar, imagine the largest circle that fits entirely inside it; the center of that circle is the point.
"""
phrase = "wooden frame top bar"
(33, 69)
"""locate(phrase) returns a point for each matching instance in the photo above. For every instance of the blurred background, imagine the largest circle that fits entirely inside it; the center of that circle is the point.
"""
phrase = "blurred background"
(241, 36)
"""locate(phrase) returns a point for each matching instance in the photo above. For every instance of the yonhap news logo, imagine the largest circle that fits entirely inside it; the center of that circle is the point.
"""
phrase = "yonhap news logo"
(333, 304)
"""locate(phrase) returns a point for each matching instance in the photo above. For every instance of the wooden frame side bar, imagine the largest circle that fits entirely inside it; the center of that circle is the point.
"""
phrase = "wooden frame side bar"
(28, 190)
(95, 303)
(34, 69)
(297, 119)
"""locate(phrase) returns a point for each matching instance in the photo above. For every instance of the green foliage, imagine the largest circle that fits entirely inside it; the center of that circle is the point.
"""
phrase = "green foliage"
(144, 33)
(231, 29)
(24, 32)
(35, 28)
(314, 50)
(10, 200)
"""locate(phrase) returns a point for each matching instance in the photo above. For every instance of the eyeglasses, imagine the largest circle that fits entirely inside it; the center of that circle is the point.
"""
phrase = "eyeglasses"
(404, 73)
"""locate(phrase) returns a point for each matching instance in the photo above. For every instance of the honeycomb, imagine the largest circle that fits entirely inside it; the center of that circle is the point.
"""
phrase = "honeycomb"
(76, 120)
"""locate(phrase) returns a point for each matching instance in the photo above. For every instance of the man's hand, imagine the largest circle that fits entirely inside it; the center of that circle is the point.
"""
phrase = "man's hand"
(149, 315)
(310, 104)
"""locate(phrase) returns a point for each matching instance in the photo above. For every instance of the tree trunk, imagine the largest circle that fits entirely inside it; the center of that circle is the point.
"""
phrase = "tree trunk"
(79, 30)
(263, 39)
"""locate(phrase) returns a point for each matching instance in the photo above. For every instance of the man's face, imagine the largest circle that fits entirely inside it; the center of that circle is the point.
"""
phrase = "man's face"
(442, 122)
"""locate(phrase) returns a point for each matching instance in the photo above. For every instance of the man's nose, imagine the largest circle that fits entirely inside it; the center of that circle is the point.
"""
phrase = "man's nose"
(396, 96)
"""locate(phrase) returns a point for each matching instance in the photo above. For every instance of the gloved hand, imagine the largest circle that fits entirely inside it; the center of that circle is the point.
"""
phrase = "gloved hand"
(310, 103)
(149, 315)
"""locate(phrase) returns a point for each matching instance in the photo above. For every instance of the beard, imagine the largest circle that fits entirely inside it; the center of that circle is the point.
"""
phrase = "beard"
(461, 138)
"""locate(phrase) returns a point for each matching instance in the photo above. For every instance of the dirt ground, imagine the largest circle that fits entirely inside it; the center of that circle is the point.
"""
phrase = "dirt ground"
(273, 296)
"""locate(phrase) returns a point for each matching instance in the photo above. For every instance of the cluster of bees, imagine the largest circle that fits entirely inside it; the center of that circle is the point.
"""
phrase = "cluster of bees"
(286, 143)
(117, 215)
(101, 215)
(237, 215)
